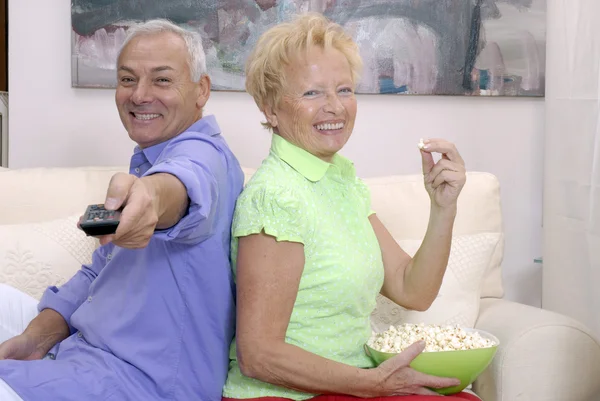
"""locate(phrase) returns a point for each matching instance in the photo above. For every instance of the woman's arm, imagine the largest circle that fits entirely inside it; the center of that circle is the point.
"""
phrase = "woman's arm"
(414, 283)
(268, 277)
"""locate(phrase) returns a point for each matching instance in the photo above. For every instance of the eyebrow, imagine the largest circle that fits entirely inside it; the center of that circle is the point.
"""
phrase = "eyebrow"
(155, 69)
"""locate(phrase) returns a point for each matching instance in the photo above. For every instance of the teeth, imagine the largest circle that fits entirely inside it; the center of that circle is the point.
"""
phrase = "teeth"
(329, 127)
(146, 116)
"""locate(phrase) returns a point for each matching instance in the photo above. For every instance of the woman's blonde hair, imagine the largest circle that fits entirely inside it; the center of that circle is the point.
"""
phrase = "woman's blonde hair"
(282, 44)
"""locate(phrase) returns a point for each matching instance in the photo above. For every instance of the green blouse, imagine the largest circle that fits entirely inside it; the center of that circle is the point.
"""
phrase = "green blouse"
(295, 196)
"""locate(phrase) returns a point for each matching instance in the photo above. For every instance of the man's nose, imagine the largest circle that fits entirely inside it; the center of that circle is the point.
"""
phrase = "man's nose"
(142, 94)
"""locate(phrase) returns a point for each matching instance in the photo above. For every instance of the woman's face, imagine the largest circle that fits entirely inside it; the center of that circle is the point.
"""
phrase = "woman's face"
(318, 107)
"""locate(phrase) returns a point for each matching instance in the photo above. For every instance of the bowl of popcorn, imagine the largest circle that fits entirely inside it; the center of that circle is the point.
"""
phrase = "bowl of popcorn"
(450, 351)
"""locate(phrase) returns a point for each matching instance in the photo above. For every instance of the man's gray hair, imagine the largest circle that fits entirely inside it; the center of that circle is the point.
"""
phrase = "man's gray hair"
(193, 42)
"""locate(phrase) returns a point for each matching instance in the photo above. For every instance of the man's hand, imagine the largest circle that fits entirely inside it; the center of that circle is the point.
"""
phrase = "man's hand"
(47, 329)
(22, 347)
(139, 216)
(152, 202)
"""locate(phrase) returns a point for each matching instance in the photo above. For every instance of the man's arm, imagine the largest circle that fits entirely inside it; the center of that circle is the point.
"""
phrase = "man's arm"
(156, 201)
(47, 329)
(170, 198)
(52, 324)
(176, 200)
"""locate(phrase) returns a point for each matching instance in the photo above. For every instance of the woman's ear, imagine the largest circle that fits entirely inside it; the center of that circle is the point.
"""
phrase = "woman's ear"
(270, 115)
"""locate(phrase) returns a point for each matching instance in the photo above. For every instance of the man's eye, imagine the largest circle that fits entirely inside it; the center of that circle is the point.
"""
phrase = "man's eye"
(346, 90)
(310, 93)
(163, 80)
(126, 80)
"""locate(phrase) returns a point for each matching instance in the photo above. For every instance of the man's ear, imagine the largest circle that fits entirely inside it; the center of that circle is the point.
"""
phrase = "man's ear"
(203, 91)
(270, 115)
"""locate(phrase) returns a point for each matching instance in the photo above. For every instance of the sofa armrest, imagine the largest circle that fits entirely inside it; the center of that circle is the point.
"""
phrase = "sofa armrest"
(543, 356)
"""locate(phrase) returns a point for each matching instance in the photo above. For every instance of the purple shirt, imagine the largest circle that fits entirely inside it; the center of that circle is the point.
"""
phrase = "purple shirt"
(153, 323)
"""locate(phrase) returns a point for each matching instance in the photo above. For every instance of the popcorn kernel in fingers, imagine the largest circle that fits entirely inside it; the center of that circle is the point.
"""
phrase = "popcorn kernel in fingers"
(421, 144)
(437, 338)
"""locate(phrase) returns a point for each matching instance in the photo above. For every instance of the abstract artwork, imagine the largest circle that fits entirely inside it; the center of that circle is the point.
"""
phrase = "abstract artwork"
(420, 47)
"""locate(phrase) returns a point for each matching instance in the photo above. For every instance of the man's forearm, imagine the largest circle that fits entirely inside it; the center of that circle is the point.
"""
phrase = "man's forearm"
(47, 329)
(169, 196)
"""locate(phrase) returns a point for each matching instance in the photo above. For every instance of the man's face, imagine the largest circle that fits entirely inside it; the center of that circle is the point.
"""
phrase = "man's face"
(155, 96)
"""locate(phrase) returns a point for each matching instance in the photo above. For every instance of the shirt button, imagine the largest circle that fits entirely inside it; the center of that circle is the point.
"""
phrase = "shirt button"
(79, 334)
(109, 256)
(89, 299)
(137, 170)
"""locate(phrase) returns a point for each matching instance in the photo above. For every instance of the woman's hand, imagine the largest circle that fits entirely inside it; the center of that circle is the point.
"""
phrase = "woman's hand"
(445, 179)
(396, 377)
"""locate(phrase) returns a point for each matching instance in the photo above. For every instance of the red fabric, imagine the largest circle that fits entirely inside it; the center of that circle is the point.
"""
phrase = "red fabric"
(455, 397)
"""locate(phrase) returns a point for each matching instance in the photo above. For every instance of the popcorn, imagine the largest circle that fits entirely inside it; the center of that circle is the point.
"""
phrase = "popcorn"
(421, 144)
(437, 338)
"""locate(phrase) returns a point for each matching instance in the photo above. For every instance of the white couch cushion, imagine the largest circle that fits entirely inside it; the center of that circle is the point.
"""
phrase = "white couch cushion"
(458, 299)
(34, 256)
(44, 194)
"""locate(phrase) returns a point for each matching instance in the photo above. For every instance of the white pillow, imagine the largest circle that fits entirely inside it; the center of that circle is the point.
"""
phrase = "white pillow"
(37, 255)
(458, 299)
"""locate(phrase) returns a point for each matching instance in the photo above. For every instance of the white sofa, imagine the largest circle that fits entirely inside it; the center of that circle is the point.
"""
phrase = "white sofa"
(542, 356)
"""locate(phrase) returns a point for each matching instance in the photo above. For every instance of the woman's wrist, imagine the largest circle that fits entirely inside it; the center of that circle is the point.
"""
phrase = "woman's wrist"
(368, 384)
(444, 212)
(442, 218)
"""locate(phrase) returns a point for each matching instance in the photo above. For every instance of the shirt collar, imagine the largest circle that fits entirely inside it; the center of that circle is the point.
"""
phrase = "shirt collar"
(307, 164)
(207, 125)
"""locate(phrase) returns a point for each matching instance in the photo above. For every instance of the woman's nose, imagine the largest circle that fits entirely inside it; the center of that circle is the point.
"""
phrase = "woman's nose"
(334, 105)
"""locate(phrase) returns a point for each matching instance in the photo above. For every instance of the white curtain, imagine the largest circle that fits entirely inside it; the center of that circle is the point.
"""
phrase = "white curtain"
(571, 269)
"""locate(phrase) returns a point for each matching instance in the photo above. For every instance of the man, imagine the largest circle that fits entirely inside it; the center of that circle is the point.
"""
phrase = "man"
(152, 317)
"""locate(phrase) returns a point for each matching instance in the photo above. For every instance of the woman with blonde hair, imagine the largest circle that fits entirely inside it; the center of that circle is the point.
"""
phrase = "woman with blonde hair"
(310, 255)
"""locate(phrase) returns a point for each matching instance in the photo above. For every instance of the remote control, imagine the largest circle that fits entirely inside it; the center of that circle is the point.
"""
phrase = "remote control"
(99, 221)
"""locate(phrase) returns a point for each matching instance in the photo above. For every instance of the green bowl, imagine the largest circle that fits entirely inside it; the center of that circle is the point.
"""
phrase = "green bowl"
(465, 365)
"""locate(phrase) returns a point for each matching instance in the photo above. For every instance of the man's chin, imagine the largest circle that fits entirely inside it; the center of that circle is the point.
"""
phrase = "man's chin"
(144, 138)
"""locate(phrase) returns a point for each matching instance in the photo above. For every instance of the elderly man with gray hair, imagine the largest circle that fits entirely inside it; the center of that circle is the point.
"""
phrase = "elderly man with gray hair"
(152, 317)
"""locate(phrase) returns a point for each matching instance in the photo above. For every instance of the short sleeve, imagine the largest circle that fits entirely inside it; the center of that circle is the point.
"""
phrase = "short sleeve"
(364, 195)
(279, 212)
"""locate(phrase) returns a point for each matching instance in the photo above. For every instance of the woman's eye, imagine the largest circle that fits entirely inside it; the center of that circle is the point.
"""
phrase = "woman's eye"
(310, 93)
(163, 80)
(346, 90)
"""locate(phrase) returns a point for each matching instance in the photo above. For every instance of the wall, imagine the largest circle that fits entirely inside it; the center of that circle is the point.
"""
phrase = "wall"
(52, 124)
(3, 50)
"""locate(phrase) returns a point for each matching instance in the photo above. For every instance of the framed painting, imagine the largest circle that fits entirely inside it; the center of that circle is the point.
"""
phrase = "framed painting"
(411, 47)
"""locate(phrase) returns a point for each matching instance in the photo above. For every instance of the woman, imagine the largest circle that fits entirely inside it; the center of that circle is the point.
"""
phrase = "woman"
(311, 256)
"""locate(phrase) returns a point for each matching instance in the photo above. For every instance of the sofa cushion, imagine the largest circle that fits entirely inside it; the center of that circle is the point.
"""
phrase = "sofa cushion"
(458, 298)
(34, 256)
(44, 194)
